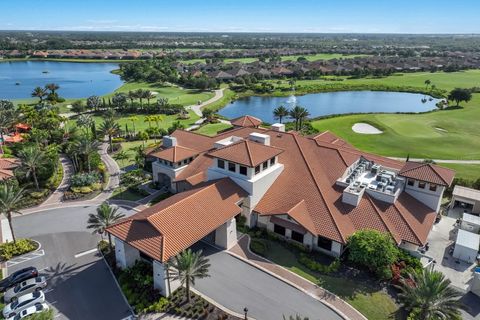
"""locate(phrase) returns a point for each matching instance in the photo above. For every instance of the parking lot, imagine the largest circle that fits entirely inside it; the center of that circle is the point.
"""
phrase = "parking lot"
(80, 285)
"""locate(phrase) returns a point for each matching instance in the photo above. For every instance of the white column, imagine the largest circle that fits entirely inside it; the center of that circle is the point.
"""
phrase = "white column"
(125, 254)
(161, 281)
(336, 249)
(226, 234)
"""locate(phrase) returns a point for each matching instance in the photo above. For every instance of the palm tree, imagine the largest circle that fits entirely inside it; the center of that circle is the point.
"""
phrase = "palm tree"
(280, 113)
(10, 198)
(40, 93)
(427, 83)
(105, 217)
(32, 158)
(52, 87)
(142, 135)
(186, 267)
(148, 119)
(133, 119)
(139, 155)
(85, 121)
(299, 114)
(132, 95)
(110, 128)
(140, 96)
(7, 119)
(86, 147)
(121, 156)
(147, 94)
(428, 295)
(157, 118)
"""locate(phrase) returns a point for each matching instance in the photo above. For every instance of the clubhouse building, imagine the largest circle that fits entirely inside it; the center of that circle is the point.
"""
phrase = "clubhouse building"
(315, 190)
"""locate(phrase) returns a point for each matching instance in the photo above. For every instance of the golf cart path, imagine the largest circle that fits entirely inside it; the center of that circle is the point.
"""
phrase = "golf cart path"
(197, 108)
(439, 160)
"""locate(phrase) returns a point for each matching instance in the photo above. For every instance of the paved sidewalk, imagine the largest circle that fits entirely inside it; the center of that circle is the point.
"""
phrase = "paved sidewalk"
(197, 108)
(241, 249)
(440, 160)
(57, 196)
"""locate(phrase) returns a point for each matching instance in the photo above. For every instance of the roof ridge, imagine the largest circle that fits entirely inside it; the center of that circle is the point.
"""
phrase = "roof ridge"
(249, 153)
(438, 174)
(381, 217)
(318, 187)
(406, 222)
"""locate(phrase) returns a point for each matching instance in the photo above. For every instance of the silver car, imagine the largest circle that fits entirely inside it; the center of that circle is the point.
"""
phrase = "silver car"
(23, 302)
(27, 286)
(37, 308)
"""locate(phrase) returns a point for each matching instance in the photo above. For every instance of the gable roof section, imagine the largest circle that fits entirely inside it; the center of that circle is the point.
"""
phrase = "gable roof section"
(246, 152)
(246, 121)
(427, 172)
(175, 153)
(180, 221)
(7, 165)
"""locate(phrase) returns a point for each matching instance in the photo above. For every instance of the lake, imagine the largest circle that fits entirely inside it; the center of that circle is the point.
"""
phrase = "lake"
(76, 80)
(327, 103)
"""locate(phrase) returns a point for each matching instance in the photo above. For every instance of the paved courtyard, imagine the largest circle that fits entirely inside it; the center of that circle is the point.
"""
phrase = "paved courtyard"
(441, 239)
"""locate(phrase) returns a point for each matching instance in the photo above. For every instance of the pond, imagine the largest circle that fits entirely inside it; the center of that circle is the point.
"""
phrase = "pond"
(327, 103)
(76, 80)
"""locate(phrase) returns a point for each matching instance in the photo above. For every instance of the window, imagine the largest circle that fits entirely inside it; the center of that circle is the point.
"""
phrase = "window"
(221, 164)
(297, 236)
(243, 170)
(324, 243)
(191, 159)
(422, 185)
(433, 187)
(265, 165)
(411, 182)
(257, 169)
(279, 230)
(179, 163)
(272, 161)
(231, 166)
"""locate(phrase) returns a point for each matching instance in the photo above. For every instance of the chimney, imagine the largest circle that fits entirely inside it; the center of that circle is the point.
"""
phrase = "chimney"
(260, 138)
(169, 141)
(280, 127)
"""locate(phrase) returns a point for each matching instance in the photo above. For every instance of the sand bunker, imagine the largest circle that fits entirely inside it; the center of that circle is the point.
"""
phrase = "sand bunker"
(365, 128)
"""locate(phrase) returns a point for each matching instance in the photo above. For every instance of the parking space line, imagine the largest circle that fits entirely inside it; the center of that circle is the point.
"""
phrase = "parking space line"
(78, 255)
(25, 258)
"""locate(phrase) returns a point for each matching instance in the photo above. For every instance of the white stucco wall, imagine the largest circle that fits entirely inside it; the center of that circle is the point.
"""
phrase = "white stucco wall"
(125, 255)
(335, 251)
(431, 199)
(226, 234)
(408, 246)
(464, 253)
(161, 281)
(171, 172)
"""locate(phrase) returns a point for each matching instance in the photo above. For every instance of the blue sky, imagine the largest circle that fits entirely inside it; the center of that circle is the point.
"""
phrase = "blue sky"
(337, 16)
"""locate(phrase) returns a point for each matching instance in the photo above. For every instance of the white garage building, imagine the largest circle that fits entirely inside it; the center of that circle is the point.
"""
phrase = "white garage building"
(466, 246)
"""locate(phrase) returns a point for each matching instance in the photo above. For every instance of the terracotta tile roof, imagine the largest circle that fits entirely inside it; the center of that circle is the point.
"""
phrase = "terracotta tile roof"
(427, 172)
(175, 153)
(246, 152)
(180, 221)
(246, 121)
(7, 165)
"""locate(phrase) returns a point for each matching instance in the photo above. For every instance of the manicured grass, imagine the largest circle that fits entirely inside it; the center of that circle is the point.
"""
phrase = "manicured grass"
(174, 94)
(415, 134)
(128, 148)
(122, 193)
(370, 300)
(464, 171)
(212, 128)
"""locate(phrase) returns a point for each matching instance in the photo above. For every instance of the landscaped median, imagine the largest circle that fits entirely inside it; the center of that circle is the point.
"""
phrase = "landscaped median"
(12, 249)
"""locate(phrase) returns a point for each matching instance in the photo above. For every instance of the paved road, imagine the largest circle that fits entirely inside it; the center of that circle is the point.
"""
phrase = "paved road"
(80, 284)
(440, 160)
(236, 284)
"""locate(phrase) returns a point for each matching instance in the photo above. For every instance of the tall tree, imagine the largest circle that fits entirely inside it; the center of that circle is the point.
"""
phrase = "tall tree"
(132, 95)
(280, 112)
(85, 121)
(105, 217)
(53, 87)
(39, 93)
(110, 129)
(186, 267)
(140, 96)
(94, 103)
(8, 116)
(86, 147)
(458, 95)
(147, 94)
(10, 198)
(32, 159)
(428, 295)
(299, 114)
(133, 119)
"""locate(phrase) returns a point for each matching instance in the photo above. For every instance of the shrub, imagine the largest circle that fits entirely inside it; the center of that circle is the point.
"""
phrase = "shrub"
(84, 179)
(82, 190)
(9, 249)
(44, 315)
(96, 186)
(38, 194)
(317, 266)
(258, 247)
(374, 250)
(159, 306)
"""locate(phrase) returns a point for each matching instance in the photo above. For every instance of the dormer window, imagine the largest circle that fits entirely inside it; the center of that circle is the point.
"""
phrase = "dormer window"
(411, 182)
(265, 165)
(422, 185)
(257, 169)
(221, 164)
(272, 161)
(433, 187)
(231, 167)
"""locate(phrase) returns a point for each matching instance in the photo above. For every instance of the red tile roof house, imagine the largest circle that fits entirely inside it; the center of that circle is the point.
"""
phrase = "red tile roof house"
(315, 190)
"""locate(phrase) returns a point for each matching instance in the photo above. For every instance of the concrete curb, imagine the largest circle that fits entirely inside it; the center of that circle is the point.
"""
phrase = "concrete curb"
(326, 303)
(219, 306)
(5, 268)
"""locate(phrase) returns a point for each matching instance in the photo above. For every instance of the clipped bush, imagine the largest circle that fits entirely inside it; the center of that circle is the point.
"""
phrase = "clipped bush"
(38, 194)
(96, 186)
(84, 179)
(317, 266)
(259, 247)
(9, 250)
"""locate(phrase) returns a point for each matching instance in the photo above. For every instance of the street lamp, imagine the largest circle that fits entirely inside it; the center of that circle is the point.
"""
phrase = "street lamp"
(245, 310)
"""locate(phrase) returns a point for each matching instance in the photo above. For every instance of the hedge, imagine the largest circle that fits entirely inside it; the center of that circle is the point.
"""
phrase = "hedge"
(9, 250)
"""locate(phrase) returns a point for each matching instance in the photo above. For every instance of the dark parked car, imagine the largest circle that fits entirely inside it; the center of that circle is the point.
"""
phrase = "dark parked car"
(17, 277)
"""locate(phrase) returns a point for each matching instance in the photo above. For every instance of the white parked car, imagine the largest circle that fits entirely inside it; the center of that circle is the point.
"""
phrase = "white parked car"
(37, 308)
(23, 302)
(27, 286)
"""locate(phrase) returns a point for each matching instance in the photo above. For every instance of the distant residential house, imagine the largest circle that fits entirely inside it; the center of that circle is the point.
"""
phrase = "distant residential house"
(7, 166)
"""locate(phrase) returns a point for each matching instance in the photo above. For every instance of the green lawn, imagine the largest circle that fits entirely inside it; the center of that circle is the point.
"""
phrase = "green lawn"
(370, 300)
(212, 128)
(464, 171)
(122, 193)
(128, 148)
(415, 134)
